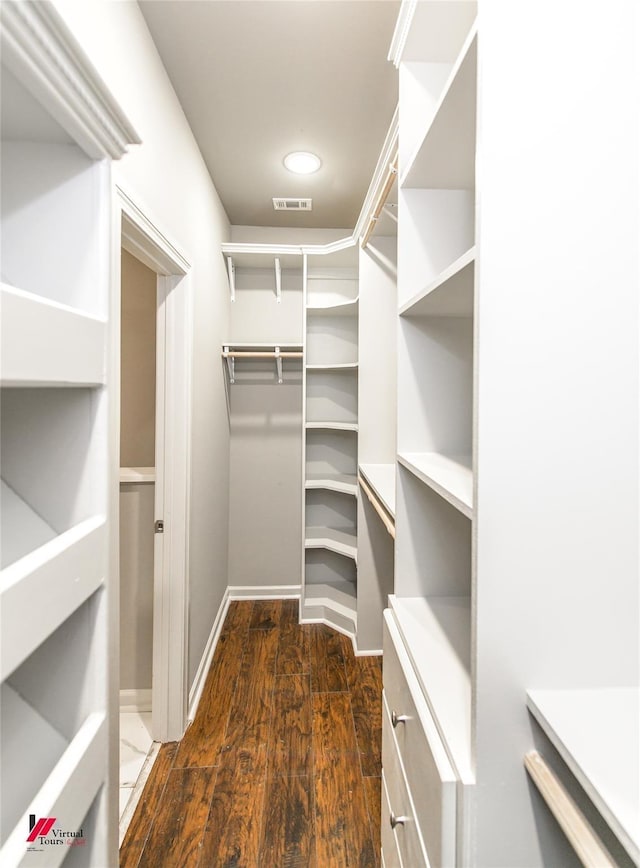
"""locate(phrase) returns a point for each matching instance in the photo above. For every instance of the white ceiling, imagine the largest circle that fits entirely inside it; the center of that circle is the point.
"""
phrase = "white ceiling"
(260, 78)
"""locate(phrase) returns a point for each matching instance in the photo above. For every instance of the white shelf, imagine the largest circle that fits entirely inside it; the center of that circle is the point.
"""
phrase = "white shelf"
(445, 156)
(339, 597)
(597, 733)
(337, 541)
(333, 426)
(67, 792)
(137, 474)
(437, 636)
(344, 366)
(22, 529)
(349, 307)
(450, 294)
(45, 587)
(450, 476)
(30, 749)
(234, 345)
(382, 479)
(45, 343)
(341, 482)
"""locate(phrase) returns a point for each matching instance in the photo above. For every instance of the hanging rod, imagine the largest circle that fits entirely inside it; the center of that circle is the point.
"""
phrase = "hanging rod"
(586, 844)
(276, 354)
(375, 503)
(382, 198)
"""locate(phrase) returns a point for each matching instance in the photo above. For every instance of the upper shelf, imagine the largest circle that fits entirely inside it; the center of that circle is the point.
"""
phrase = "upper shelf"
(344, 483)
(445, 155)
(450, 294)
(596, 732)
(346, 307)
(450, 476)
(45, 343)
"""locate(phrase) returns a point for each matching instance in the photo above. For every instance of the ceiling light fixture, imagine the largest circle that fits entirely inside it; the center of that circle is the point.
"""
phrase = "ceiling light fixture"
(302, 162)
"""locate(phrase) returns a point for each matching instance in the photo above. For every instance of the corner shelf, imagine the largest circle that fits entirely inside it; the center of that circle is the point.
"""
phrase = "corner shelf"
(342, 366)
(596, 733)
(342, 482)
(337, 541)
(450, 294)
(332, 426)
(445, 156)
(348, 307)
(45, 343)
(437, 636)
(450, 476)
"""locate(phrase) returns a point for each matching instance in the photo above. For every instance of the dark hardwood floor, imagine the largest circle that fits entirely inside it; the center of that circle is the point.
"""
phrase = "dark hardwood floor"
(281, 766)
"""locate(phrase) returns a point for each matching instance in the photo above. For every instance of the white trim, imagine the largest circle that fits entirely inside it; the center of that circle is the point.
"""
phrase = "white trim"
(136, 795)
(231, 247)
(268, 592)
(380, 174)
(38, 47)
(195, 693)
(138, 232)
(135, 699)
(401, 32)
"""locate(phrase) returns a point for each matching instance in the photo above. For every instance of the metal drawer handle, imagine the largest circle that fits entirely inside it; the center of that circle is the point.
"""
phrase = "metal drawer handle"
(397, 821)
(398, 718)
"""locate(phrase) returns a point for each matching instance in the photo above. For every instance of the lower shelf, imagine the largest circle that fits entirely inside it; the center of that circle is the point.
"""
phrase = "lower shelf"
(66, 794)
(331, 602)
(437, 635)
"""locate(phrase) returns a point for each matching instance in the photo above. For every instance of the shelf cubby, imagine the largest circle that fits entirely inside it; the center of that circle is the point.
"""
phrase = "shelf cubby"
(450, 294)
(332, 394)
(33, 718)
(333, 290)
(330, 453)
(327, 508)
(49, 195)
(331, 340)
(444, 157)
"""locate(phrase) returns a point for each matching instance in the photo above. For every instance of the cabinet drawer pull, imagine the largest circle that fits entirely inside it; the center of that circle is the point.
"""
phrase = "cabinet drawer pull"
(397, 821)
(398, 718)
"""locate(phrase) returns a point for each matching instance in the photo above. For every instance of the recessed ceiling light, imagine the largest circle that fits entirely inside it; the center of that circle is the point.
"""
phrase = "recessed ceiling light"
(302, 162)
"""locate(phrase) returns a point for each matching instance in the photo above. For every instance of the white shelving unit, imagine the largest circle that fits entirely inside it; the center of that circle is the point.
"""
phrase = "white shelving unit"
(516, 567)
(331, 442)
(60, 129)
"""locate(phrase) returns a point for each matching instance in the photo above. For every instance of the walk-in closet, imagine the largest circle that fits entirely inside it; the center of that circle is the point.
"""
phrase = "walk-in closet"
(319, 434)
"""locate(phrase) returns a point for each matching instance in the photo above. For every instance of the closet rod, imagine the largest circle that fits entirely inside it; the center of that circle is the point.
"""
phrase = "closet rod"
(260, 355)
(588, 847)
(375, 503)
(382, 198)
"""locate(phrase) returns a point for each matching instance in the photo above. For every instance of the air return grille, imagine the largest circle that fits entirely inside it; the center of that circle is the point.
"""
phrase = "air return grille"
(291, 204)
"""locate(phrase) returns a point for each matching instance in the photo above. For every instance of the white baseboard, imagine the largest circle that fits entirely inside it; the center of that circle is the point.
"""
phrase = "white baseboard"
(135, 699)
(268, 592)
(205, 662)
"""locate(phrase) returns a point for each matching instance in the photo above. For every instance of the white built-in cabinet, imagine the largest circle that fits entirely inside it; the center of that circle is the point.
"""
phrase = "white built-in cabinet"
(514, 623)
(56, 274)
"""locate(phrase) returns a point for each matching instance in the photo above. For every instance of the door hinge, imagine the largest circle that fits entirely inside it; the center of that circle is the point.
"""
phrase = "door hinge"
(159, 526)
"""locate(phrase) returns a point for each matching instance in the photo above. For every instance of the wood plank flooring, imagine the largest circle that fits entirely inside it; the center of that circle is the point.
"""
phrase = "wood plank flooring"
(281, 766)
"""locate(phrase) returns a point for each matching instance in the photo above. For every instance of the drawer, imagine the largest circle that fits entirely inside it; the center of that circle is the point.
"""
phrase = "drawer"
(390, 854)
(430, 775)
(406, 833)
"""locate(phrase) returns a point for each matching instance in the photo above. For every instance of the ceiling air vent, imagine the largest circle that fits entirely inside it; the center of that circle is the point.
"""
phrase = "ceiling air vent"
(291, 204)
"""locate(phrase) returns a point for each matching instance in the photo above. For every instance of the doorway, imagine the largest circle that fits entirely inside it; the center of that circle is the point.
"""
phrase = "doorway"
(150, 507)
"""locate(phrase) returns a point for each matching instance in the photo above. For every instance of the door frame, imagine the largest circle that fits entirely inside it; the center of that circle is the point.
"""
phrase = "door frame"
(138, 234)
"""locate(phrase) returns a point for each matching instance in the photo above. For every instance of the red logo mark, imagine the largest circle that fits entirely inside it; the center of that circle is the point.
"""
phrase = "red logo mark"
(41, 829)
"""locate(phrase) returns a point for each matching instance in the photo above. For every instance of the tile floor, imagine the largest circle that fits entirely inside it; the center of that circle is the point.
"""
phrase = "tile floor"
(135, 745)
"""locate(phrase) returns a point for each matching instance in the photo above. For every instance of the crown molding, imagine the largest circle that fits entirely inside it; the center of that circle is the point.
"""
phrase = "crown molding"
(40, 50)
(400, 34)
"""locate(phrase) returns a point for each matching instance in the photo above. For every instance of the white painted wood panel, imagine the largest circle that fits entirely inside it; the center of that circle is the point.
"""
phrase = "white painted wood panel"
(44, 343)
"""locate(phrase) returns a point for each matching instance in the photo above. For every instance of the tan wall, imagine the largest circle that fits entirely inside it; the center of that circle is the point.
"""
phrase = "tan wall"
(138, 359)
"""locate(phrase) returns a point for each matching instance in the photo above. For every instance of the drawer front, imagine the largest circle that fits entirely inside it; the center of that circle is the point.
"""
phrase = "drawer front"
(430, 776)
(390, 854)
(406, 833)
